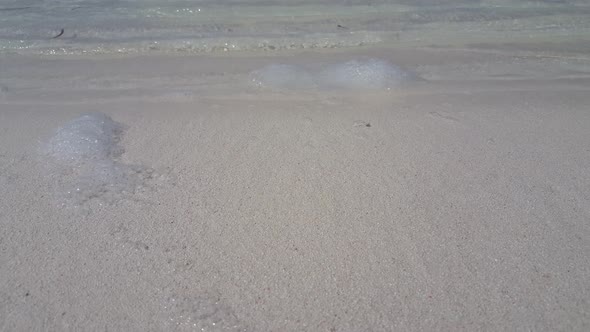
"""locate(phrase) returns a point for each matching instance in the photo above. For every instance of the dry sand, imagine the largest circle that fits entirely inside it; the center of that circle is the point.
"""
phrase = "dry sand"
(464, 206)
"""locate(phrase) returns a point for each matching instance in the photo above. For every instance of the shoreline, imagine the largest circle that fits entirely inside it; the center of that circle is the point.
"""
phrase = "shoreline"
(463, 205)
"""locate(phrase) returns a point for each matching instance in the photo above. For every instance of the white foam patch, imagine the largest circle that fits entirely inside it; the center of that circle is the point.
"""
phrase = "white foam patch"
(352, 75)
(93, 136)
(367, 74)
(83, 158)
(279, 76)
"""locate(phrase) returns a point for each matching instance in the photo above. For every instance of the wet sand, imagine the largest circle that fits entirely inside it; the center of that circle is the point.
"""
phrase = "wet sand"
(456, 202)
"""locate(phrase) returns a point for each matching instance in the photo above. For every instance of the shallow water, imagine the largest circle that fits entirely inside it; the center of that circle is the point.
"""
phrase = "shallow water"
(180, 26)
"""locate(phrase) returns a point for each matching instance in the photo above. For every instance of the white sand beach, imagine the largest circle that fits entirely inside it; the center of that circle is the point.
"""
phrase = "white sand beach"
(455, 199)
(464, 205)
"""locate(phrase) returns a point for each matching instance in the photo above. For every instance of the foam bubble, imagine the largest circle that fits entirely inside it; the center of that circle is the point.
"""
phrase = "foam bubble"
(83, 159)
(367, 74)
(281, 76)
(92, 136)
(351, 75)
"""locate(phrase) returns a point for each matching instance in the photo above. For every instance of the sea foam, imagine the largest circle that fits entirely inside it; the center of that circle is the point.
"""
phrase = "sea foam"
(93, 136)
(83, 158)
(280, 76)
(367, 74)
(351, 75)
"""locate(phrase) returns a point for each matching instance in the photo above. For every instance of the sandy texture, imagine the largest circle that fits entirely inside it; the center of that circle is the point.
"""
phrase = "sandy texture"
(465, 205)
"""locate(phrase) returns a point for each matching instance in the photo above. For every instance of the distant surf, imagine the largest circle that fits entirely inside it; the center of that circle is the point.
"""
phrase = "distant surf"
(91, 27)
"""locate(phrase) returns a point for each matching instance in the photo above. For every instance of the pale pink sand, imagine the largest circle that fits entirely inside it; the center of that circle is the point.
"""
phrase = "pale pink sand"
(464, 206)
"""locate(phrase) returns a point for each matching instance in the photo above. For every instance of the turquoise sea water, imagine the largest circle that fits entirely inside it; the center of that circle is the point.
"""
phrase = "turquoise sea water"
(181, 26)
